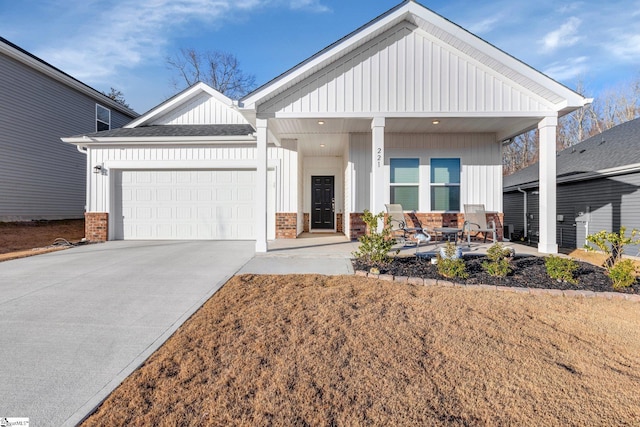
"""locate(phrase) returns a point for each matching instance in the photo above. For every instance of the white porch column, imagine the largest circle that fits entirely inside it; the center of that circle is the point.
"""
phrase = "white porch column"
(547, 165)
(377, 167)
(261, 186)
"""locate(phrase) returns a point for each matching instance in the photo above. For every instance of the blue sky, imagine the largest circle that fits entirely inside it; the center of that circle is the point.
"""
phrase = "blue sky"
(124, 43)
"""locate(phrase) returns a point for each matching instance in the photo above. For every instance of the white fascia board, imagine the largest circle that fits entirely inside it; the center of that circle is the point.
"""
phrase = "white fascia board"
(291, 75)
(178, 99)
(65, 79)
(166, 140)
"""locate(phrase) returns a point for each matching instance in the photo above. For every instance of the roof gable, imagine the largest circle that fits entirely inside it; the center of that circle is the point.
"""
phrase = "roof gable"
(197, 105)
(440, 32)
(406, 69)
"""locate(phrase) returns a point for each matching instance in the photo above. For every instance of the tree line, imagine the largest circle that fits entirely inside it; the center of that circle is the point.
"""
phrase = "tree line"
(613, 107)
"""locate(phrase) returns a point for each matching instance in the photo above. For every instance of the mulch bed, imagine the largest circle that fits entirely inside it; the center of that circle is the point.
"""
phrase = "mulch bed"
(528, 272)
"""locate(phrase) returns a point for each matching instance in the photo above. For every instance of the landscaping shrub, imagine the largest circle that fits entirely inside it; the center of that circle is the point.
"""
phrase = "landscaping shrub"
(622, 274)
(375, 246)
(612, 244)
(498, 263)
(449, 266)
(561, 268)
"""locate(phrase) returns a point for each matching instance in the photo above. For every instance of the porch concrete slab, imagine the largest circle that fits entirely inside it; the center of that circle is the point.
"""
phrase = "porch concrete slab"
(75, 323)
(310, 253)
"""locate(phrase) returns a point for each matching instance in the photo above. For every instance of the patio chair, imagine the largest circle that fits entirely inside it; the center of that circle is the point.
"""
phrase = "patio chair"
(475, 221)
(399, 229)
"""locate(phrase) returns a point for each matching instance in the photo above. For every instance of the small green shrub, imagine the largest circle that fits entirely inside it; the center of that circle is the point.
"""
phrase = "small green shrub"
(623, 274)
(612, 244)
(375, 246)
(561, 268)
(449, 266)
(498, 264)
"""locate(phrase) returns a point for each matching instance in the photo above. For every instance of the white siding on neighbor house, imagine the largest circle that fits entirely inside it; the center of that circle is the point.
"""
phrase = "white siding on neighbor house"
(402, 71)
(42, 177)
(479, 154)
(237, 156)
(204, 109)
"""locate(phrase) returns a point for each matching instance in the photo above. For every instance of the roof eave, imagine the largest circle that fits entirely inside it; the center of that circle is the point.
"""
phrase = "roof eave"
(49, 70)
(85, 141)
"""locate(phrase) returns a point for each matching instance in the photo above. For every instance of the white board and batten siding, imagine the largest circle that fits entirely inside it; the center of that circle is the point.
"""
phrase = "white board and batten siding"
(172, 190)
(202, 109)
(406, 70)
(480, 160)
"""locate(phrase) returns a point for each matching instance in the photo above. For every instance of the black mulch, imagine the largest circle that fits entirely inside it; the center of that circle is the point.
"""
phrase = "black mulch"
(528, 272)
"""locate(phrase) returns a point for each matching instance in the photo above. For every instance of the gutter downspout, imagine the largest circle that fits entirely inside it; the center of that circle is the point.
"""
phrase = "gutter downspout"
(525, 211)
(85, 151)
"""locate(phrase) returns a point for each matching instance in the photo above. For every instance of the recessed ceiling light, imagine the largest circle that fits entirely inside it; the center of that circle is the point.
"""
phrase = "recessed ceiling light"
(322, 145)
(436, 122)
(320, 122)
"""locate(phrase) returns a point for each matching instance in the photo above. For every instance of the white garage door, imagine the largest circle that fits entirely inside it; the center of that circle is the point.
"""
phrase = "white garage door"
(204, 204)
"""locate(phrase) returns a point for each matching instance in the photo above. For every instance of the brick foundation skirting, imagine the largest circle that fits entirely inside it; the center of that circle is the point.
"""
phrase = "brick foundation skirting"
(306, 226)
(96, 226)
(339, 223)
(428, 220)
(286, 225)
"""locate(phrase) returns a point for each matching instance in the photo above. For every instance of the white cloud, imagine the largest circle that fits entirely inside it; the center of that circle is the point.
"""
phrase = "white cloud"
(564, 36)
(313, 5)
(568, 69)
(484, 26)
(133, 32)
(571, 7)
(626, 47)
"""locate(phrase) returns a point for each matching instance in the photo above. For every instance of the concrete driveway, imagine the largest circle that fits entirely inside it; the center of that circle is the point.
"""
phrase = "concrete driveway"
(75, 323)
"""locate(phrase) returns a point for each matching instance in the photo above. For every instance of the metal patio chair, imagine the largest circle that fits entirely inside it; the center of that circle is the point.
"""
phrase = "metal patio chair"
(401, 232)
(475, 221)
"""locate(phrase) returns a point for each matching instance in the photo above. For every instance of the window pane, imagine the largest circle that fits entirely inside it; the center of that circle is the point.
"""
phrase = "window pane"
(445, 171)
(445, 198)
(404, 171)
(405, 196)
(101, 126)
(103, 114)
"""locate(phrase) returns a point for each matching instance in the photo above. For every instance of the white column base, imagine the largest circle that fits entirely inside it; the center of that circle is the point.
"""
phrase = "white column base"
(261, 247)
(547, 248)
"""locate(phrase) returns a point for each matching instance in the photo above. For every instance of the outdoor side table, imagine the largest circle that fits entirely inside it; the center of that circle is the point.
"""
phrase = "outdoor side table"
(448, 233)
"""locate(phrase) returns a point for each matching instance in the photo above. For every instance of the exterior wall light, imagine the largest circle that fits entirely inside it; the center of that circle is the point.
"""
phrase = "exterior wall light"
(97, 169)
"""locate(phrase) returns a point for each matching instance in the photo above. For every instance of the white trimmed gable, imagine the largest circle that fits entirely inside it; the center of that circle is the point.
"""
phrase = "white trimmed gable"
(197, 105)
(409, 60)
(407, 70)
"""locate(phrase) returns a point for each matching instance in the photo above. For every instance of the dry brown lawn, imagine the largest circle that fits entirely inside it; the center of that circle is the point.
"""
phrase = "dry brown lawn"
(19, 238)
(345, 351)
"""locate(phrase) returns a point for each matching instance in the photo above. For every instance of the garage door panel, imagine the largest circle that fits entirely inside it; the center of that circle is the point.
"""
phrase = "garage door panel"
(187, 205)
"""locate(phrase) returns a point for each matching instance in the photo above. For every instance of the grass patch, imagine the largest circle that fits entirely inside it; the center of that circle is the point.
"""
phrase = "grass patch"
(319, 350)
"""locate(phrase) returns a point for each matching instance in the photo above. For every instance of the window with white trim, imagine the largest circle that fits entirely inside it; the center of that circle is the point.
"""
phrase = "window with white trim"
(445, 185)
(103, 118)
(405, 183)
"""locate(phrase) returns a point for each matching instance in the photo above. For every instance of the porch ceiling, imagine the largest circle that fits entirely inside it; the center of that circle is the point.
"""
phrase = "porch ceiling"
(333, 132)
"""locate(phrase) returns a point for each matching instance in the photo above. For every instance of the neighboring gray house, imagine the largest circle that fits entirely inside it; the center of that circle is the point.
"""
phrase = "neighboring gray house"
(40, 176)
(598, 188)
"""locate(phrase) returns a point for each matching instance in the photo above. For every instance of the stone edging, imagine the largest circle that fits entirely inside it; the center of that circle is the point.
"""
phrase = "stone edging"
(532, 291)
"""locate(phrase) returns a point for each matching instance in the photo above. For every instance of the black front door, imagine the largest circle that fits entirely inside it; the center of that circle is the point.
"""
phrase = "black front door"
(322, 202)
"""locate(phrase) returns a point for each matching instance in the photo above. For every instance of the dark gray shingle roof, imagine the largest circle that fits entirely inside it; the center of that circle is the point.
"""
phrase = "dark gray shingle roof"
(174, 130)
(615, 147)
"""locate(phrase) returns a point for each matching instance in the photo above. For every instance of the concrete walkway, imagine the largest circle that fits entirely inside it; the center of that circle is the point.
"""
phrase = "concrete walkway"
(328, 254)
(75, 323)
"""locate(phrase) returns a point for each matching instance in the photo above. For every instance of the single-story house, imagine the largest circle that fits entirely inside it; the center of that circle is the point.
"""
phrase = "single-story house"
(410, 108)
(40, 176)
(598, 188)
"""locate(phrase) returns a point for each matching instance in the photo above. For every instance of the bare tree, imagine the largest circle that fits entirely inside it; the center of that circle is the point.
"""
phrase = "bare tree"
(220, 70)
(117, 96)
(522, 152)
(577, 126)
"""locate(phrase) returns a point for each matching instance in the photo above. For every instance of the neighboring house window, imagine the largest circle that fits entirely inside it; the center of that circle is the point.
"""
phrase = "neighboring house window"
(103, 118)
(405, 179)
(445, 185)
